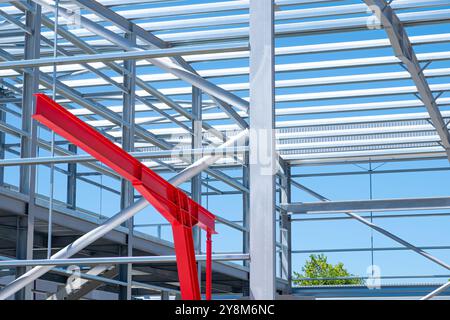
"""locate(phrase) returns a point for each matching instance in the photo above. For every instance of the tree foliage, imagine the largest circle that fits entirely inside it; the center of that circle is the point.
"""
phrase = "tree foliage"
(318, 267)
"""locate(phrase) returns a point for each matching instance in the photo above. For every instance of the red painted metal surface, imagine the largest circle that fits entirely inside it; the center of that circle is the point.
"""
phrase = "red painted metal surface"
(208, 266)
(181, 211)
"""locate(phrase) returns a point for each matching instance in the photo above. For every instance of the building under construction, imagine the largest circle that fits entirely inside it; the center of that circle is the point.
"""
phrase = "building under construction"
(205, 149)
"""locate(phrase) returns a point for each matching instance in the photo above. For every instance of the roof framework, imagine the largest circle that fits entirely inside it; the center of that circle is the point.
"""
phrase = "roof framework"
(354, 82)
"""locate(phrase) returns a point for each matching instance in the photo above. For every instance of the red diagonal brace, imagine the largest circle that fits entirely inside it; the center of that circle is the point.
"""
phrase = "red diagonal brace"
(181, 211)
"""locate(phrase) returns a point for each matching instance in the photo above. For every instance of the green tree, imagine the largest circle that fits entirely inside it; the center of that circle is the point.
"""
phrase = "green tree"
(318, 267)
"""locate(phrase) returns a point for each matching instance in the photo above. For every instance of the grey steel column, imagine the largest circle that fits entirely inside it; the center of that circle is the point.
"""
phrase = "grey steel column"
(29, 143)
(127, 190)
(246, 206)
(3, 94)
(262, 151)
(246, 215)
(72, 181)
(196, 182)
(2, 142)
(165, 295)
(285, 226)
(21, 253)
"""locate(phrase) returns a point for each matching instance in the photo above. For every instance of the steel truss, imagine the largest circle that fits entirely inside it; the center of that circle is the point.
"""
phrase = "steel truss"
(184, 95)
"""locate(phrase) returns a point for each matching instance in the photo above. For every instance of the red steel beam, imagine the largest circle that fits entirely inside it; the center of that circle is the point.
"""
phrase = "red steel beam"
(181, 211)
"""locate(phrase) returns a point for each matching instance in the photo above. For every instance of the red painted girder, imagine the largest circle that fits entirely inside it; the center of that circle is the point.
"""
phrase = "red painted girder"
(181, 211)
(186, 264)
(170, 201)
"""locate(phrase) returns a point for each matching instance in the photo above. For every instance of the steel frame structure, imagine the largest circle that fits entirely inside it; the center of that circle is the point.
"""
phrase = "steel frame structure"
(182, 212)
(194, 90)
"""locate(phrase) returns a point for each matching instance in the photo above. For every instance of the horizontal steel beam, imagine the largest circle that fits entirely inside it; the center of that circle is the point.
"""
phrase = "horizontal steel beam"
(103, 279)
(386, 291)
(379, 216)
(366, 172)
(368, 205)
(117, 260)
(280, 15)
(280, 51)
(138, 155)
(296, 97)
(289, 111)
(129, 55)
(284, 29)
(244, 86)
(368, 249)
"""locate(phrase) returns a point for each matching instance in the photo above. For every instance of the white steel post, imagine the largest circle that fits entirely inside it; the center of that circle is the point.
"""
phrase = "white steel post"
(262, 151)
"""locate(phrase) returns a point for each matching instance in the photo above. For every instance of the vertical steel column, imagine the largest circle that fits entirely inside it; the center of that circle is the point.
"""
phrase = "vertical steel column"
(165, 295)
(246, 215)
(2, 143)
(127, 190)
(72, 181)
(21, 253)
(3, 94)
(196, 182)
(246, 207)
(262, 151)
(29, 143)
(285, 226)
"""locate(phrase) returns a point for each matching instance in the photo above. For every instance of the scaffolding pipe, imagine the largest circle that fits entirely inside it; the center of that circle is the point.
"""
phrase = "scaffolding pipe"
(115, 220)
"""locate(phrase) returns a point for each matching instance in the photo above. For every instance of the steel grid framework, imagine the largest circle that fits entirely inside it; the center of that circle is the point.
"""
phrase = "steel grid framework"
(234, 97)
